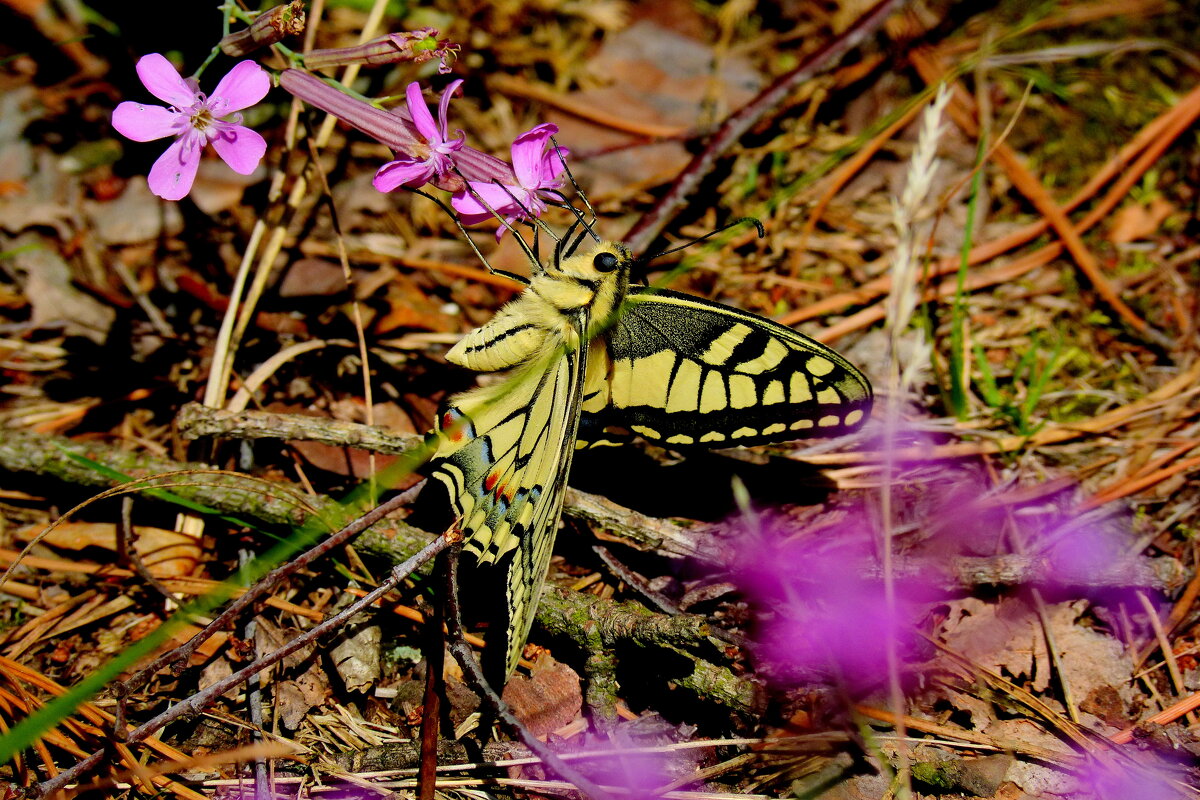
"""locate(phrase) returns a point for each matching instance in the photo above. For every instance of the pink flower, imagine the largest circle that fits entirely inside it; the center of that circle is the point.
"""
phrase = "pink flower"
(428, 159)
(537, 170)
(194, 120)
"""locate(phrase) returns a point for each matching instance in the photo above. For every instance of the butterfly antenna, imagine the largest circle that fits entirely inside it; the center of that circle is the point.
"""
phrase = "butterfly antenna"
(578, 191)
(471, 242)
(589, 226)
(758, 226)
(530, 219)
(566, 247)
(535, 263)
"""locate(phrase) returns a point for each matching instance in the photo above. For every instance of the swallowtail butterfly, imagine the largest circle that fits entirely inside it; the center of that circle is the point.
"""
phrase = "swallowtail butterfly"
(583, 344)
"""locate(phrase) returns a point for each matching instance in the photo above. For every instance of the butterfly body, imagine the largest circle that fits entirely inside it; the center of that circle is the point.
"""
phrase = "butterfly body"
(583, 344)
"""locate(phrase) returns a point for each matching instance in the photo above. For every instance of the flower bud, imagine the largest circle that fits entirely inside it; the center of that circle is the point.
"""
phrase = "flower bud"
(393, 128)
(268, 28)
(416, 46)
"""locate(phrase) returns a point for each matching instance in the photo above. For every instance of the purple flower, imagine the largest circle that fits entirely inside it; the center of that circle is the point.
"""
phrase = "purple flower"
(194, 120)
(817, 615)
(427, 159)
(634, 764)
(537, 171)
(1145, 779)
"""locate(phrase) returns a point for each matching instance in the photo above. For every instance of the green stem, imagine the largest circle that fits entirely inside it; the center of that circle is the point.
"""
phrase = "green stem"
(226, 10)
(958, 354)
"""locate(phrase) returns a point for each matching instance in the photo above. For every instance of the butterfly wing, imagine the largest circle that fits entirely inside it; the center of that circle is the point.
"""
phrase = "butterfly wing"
(685, 371)
(504, 453)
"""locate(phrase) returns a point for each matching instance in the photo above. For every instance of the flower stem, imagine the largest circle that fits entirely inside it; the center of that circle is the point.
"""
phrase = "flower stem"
(227, 10)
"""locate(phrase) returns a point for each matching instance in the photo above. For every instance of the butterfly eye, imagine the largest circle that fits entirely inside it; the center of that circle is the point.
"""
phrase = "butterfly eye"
(605, 262)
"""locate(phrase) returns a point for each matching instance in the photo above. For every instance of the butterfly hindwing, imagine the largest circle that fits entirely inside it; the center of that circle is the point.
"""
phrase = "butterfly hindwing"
(685, 371)
(504, 454)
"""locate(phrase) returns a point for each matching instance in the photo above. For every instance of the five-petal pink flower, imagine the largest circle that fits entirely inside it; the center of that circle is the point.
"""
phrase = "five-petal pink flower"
(425, 160)
(194, 120)
(537, 170)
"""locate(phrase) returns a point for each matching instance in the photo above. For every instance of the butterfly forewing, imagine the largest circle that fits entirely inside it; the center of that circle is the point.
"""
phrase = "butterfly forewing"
(685, 371)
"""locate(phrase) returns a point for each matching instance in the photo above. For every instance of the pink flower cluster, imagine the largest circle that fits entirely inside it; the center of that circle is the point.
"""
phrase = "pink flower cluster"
(483, 186)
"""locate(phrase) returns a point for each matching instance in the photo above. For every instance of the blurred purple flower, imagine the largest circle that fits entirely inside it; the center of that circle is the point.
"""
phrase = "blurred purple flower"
(817, 613)
(537, 169)
(194, 120)
(635, 764)
(427, 159)
(1089, 554)
(1126, 781)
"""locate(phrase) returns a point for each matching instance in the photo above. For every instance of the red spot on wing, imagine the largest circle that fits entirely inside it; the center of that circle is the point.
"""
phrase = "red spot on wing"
(453, 426)
(489, 482)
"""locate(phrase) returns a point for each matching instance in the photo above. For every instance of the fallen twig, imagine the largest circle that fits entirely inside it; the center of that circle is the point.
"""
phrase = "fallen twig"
(474, 674)
(652, 222)
(203, 698)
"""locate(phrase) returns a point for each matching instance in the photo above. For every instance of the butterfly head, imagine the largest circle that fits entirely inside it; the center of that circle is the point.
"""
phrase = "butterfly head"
(596, 279)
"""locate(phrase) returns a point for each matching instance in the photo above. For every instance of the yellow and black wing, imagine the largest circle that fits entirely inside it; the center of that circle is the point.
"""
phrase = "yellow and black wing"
(685, 371)
(504, 453)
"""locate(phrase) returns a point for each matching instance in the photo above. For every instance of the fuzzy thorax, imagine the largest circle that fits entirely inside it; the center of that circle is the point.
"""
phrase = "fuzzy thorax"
(584, 289)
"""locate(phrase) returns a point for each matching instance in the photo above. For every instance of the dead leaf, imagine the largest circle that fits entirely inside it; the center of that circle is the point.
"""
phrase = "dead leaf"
(657, 78)
(358, 654)
(47, 280)
(548, 699)
(1136, 221)
(135, 216)
(167, 554)
(217, 670)
(411, 306)
(295, 698)
(310, 277)
(341, 460)
(1008, 637)
(269, 637)
(218, 188)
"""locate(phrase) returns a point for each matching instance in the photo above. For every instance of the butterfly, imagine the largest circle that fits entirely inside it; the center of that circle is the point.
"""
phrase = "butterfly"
(590, 355)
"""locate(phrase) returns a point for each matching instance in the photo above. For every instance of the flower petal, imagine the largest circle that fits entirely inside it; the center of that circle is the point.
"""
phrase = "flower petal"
(553, 165)
(504, 200)
(242, 87)
(421, 117)
(143, 123)
(527, 152)
(239, 147)
(444, 109)
(172, 175)
(470, 211)
(163, 81)
(402, 172)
